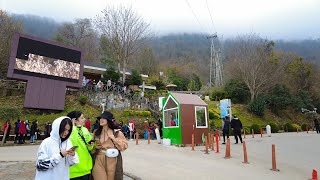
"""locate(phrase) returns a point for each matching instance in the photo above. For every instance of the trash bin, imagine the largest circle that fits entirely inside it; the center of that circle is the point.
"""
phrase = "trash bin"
(268, 127)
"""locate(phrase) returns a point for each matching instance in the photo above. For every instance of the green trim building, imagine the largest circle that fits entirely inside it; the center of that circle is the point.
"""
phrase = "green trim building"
(182, 115)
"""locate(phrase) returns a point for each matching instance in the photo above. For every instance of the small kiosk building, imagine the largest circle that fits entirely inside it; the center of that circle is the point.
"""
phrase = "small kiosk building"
(182, 115)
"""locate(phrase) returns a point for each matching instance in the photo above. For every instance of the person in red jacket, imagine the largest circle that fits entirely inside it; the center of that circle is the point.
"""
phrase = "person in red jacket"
(22, 132)
(5, 125)
(87, 124)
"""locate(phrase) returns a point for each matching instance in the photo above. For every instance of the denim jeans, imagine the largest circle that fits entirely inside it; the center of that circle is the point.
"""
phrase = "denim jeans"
(33, 139)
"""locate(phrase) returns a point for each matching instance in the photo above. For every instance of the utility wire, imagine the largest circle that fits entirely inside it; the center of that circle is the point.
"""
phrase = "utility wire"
(203, 29)
(214, 28)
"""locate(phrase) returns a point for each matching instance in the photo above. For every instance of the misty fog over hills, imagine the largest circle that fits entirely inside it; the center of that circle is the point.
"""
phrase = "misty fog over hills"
(174, 47)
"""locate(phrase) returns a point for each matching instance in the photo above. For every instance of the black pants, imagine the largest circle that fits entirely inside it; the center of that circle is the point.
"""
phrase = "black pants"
(21, 138)
(16, 139)
(318, 129)
(237, 133)
(225, 133)
(85, 177)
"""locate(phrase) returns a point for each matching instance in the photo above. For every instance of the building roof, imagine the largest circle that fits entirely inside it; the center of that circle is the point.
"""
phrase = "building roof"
(101, 68)
(148, 87)
(188, 99)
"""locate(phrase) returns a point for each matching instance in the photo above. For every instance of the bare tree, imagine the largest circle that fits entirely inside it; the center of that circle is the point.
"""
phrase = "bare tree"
(7, 30)
(126, 31)
(80, 34)
(253, 60)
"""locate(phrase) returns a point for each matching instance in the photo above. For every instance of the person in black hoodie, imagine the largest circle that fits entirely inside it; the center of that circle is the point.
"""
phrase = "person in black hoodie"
(16, 130)
(33, 132)
(225, 129)
(316, 124)
(236, 125)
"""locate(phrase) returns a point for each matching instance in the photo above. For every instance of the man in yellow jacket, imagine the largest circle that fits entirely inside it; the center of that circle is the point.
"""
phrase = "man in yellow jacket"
(81, 137)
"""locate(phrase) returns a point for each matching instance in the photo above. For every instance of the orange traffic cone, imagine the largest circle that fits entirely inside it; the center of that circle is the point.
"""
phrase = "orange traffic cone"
(137, 138)
(217, 142)
(192, 140)
(245, 155)
(314, 175)
(212, 144)
(207, 143)
(274, 163)
(228, 155)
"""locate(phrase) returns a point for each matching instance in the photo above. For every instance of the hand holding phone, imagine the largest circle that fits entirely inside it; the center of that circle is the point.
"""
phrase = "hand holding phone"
(91, 141)
(74, 148)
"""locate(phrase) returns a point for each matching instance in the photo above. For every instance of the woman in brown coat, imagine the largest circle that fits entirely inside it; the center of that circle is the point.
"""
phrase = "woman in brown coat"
(105, 167)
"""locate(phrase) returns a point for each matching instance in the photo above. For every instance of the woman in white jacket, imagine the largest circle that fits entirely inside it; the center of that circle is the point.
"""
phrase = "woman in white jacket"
(55, 154)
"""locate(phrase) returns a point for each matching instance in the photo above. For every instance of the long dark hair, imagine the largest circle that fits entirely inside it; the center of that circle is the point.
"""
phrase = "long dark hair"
(111, 125)
(63, 124)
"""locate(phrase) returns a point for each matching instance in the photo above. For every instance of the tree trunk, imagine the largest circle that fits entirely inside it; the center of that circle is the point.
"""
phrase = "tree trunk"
(124, 73)
(5, 134)
(119, 67)
(253, 95)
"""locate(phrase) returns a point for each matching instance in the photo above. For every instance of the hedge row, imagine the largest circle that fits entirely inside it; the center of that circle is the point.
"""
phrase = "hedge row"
(9, 113)
(128, 113)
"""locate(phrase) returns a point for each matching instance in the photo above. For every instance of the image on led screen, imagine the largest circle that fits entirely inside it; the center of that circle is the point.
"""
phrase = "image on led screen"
(48, 66)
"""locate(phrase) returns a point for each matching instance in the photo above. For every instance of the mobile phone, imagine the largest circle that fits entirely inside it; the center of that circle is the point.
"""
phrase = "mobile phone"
(91, 141)
(74, 148)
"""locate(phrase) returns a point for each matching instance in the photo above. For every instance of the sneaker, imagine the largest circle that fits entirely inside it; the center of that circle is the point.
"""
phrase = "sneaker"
(223, 143)
(235, 143)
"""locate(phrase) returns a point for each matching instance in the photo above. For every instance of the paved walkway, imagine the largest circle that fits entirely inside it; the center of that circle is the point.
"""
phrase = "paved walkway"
(18, 162)
(297, 154)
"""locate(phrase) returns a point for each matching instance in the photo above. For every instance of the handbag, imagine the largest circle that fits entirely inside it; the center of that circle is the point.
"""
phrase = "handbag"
(111, 153)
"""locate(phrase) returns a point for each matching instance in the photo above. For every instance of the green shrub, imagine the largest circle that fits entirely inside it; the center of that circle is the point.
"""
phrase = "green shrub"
(128, 113)
(211, 124)
(247, 129)
(218, 123)
(146, 113)
(83, 100)
(237, 90)
(258, 106)
(296, 127)
(304, 127)
(212, 115)
(289, 128)
(8, 113)
(274, 127)
(217, 94)
(256, 128)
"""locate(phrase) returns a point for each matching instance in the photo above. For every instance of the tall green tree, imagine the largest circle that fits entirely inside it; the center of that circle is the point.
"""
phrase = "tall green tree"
(194, 83)
(279, 98)
(237, 91)
(299, 75)
(111, 74)
(135, 78)
(177, 79)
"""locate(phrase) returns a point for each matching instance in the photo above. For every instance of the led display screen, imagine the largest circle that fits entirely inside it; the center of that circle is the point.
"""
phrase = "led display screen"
(45, 60)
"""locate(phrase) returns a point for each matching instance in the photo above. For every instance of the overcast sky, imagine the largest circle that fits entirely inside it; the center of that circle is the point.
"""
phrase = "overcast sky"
(274, 19)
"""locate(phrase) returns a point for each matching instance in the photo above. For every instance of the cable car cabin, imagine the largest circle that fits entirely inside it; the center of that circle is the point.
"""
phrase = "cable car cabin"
(182, 115)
